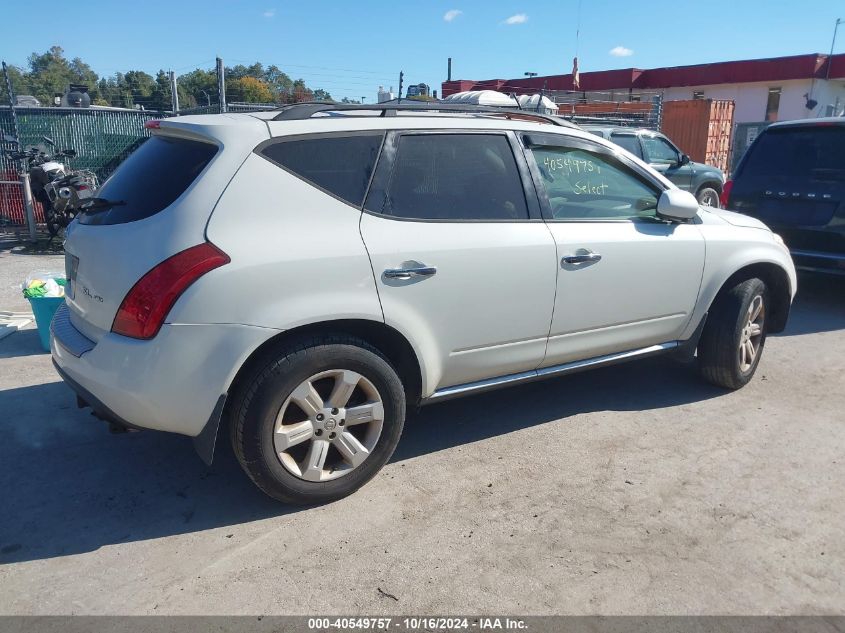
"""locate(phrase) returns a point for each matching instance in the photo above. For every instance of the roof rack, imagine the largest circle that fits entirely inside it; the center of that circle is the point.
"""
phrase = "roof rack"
(307, 109)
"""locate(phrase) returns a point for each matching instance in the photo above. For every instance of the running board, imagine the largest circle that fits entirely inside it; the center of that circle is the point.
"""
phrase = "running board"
(547, 372)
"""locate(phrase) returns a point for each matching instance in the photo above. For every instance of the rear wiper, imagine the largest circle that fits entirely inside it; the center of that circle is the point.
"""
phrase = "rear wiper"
(95, 205)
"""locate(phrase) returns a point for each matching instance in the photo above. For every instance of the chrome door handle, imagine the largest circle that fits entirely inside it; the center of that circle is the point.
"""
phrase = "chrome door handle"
(409, 273)
(581, 258)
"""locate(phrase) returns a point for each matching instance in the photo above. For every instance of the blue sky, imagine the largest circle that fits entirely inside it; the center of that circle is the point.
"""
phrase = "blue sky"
(351, 47)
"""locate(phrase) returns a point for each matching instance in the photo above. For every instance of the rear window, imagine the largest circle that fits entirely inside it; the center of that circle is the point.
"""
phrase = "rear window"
(339, 165)
(797, 155)
(151, 179)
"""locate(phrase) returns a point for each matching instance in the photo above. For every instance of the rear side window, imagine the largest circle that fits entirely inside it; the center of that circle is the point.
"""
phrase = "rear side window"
(629, 142)
(151, 179)
(797, 155)
(454, 177)
(339, 165)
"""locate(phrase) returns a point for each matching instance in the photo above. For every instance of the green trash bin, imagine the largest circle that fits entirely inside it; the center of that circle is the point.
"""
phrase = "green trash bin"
(44, 308)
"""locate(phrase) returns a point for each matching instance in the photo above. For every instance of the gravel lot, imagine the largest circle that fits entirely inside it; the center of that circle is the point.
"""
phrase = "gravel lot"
(635, 489)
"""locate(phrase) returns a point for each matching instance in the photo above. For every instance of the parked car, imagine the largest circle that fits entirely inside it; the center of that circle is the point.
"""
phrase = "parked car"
(302, 278)
(660, 153)
(793, 179)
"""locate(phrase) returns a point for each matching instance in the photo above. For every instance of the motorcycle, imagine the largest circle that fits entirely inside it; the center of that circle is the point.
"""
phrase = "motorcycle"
(61, 191)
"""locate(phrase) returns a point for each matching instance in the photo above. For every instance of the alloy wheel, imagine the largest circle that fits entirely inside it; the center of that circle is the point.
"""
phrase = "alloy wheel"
(329, 425)
(752, 334)
(709, 199)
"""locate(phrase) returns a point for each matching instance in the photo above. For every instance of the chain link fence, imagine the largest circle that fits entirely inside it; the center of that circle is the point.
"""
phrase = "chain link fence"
(102, 138)
(640, 110)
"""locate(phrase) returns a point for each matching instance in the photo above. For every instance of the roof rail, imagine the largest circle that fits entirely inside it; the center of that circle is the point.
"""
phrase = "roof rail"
(305, 110)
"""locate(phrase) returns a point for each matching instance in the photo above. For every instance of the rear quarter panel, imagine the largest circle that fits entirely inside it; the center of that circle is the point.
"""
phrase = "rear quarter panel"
(297, 256)
(112, 258)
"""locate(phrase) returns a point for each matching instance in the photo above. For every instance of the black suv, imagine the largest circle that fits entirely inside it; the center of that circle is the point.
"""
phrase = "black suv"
(793, 179)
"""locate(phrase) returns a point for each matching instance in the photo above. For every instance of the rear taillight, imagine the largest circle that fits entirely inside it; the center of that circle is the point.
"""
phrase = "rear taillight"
(146, 305)
(726, 193)
(153, 124)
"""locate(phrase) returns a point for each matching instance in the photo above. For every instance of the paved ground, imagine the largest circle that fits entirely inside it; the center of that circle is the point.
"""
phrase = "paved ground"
(634, 489)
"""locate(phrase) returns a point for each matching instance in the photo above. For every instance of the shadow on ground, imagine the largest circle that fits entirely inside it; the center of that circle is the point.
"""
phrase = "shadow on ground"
(20, 245)
(819, 306)
(23, 342)
(69, 487)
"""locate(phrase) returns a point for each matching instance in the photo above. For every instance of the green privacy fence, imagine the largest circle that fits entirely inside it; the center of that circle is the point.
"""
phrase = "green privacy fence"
(102, 138)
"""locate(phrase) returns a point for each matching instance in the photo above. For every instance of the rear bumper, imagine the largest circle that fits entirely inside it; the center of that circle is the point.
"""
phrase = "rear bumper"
(172, 382)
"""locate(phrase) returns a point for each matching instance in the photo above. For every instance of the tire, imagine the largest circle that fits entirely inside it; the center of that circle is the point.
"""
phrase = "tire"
(273, 408)
(721, 360)
(708, 197)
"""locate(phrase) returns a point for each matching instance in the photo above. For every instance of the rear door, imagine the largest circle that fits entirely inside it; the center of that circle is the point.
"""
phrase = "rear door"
(463, 262)
(626, 279)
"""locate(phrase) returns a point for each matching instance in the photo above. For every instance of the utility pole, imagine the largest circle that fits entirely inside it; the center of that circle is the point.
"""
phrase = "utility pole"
(362, 100)
(401, 79)
(221, 85)
(174, 94)
(832, 44)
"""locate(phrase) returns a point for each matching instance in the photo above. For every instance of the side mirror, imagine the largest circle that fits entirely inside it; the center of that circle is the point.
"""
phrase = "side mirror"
(684, 159)
(677, 205)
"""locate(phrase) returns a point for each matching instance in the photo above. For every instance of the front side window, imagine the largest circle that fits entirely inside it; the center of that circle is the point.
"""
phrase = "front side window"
(660, 151)
(629, 142)
(585, 185)
(453, 177)
(340, 165)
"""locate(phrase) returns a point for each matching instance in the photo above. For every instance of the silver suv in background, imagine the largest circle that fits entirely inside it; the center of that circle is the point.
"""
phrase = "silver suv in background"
(297, 280)
(704, 181)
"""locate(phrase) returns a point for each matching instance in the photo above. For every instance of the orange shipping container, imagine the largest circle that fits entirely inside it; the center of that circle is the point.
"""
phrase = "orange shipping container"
(701, 128)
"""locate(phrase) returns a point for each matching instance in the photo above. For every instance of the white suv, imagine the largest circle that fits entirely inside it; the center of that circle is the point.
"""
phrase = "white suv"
(303, 277)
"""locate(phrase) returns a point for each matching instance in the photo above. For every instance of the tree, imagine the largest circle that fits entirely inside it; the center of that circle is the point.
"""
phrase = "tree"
(126, 91)
(200, 84)
(19, 81)
(249, 90)
(50, 74)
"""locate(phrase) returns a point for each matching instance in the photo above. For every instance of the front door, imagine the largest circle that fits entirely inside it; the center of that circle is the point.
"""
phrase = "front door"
(627, 279)
(463, 262)
(664, 157)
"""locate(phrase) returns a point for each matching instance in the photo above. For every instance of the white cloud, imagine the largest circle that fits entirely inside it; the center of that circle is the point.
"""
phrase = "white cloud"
(269, 13)
(519, 18)
(621, 51)
(451, 14)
